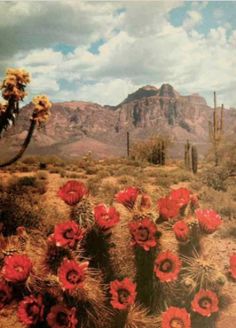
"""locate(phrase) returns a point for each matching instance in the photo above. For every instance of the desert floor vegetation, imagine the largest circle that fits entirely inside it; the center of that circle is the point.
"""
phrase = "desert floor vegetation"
(116, 243)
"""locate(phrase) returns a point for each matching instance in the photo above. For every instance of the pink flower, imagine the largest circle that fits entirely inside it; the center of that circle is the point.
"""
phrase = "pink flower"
(67, 234)
(127, 197)
(181, 196)
(72, 192)
(106, 217)
(168, 208)
(208, 220)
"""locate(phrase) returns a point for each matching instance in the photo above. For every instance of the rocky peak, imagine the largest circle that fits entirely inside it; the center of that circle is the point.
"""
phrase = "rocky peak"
(167, 90)
(146, 91)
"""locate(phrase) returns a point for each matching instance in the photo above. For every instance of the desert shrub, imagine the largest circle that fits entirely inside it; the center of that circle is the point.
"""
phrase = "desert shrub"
(126, 180)
(108, 190)
(103, 173)
(30, 160)
(91, 169)
(93, 185)
(127, 170)
(223, 203)
(27, 184)
(72, 175)
(42, 175)
(55, 169)
(216, 178)
(152, 150)
(19, 206)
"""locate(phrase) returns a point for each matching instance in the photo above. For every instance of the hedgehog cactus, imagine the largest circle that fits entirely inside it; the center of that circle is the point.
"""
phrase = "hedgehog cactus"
(73, 272)
(13, 91)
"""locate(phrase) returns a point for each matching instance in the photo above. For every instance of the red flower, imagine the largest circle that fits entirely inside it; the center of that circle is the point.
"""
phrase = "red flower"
(62, 317)
(232, 262)
(143, 233)
(67, 234)
(181, 196)
(5, 294)
(145, 202)
(167, 266)
(72, 274)
(72, 192)
(208, 220)
(123, 293)
(127, 197)
(30, 310)
(205, 303)
(168, 208)
(181, 231)
(175, 317)
(106, 217)
(16, 268)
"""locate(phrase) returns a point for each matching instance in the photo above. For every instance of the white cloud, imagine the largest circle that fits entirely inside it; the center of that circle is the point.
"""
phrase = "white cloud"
(141, 47)
(193, 18)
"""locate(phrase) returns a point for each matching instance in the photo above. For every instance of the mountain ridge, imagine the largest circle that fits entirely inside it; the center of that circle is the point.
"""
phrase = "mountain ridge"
(76, 127)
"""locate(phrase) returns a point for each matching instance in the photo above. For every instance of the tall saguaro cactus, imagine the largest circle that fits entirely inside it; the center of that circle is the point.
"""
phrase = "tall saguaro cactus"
(127, 143)
(216, 129)
(187, 161)
(190, 157)
(13, 91)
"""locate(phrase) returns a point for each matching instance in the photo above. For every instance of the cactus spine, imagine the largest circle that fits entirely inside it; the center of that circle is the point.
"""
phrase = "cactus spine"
(216, 129)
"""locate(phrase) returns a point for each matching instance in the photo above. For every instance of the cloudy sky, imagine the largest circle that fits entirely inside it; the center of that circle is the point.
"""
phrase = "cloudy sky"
(102, 50)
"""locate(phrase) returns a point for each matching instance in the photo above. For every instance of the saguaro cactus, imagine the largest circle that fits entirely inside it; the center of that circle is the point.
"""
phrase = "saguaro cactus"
(216, 129)
(194, 159)
(187, 161)
(163, 153)
(127, 144)
(13, 91)
(190, 157)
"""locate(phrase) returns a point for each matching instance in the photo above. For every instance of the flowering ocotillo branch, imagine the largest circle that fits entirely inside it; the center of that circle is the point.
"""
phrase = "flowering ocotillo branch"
(13, 91)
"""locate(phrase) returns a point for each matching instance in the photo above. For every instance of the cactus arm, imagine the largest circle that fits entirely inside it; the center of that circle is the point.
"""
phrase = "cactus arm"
(9, 115)
(23, 147)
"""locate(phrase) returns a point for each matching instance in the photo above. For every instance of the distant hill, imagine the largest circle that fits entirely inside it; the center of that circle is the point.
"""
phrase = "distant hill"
(76, 127)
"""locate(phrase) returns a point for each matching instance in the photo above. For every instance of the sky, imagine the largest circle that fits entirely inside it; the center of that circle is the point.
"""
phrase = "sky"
(101, 51)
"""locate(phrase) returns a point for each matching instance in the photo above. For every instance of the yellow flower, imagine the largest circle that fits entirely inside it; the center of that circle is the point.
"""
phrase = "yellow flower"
(41, 108)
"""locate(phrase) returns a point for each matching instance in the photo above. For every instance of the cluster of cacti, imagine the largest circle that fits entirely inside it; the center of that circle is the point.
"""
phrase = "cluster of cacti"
(216, 129)
(190, 157)
(153, 150)
(13, 91)
(133, 264)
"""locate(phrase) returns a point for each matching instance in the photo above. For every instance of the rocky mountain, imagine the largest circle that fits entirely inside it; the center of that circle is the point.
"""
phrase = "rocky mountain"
(77, 127)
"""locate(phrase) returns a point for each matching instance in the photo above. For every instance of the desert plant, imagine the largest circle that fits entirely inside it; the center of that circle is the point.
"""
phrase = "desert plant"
(13, 91)
(216, 129)
(152, 150)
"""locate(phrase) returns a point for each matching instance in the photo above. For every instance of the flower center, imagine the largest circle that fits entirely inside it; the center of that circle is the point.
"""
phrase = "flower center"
(205, 303)
(2, 295)
(33, 310)
(68, 234)
(176, 323)
(106, 217)
(143, 234)
(166, 266)
(62, 319)
(123, 294)
(71, 192)
(73, 277)
(18, 268)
